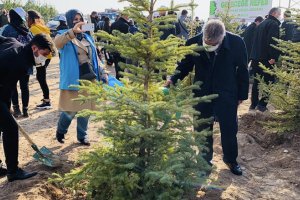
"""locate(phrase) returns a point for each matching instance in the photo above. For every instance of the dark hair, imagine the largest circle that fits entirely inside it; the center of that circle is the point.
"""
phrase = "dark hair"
(287, 13)
(43, 41)
(273, 10)
(259, 19)
(94, 12)
(184, 12)
(32, 15)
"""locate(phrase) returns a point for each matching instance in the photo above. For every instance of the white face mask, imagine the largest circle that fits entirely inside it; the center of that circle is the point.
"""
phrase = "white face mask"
(210, 48)
(40, 60)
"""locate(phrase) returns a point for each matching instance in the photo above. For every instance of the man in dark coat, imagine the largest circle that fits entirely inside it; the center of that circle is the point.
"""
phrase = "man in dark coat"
(287, 26)
(263, 52)
(11, 70)
(296, 34)
(222, 68)
(3, 18)
(121, 25)
(95, 19)
(166, 31)
(248, 34)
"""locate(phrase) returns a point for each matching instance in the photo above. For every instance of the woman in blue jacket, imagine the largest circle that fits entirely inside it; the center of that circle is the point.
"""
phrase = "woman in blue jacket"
(76, 49)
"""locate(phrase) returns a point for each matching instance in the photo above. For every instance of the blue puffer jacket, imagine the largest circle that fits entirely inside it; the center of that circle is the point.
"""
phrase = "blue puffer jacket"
(69, 64)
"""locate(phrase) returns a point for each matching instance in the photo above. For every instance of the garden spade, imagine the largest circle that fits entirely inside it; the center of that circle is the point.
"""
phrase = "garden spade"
(43, 155)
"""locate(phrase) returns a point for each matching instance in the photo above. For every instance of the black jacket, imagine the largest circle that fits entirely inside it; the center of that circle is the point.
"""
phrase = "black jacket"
(263, 39)
(296, 34)
(15, 59)
(225, 74)
(288, 30)
(248, 36)
(167, 32)
(121, 25)
(3, 20)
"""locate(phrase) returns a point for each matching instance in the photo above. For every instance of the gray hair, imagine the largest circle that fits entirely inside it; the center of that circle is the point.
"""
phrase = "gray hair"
(274, 10)
(214, 30)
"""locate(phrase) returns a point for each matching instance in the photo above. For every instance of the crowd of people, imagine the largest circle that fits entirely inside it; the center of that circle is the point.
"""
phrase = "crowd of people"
(222, 68)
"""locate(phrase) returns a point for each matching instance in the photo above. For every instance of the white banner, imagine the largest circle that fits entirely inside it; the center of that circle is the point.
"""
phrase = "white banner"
(243, 9)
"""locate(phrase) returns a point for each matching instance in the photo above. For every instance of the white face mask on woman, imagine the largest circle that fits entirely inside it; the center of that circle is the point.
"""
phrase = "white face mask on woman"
(40, 60)
(210, 48)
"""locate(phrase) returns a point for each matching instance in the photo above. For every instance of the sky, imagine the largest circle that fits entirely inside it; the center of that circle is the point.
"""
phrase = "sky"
(87, 6)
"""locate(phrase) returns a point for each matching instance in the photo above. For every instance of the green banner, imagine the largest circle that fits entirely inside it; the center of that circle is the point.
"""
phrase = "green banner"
(247, 9)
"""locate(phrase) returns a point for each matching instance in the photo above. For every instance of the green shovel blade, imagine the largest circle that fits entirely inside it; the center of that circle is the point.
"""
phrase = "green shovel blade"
(45, 156)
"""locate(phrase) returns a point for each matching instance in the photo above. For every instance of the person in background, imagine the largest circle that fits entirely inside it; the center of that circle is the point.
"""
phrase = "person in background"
(62, 23)
(132, 27)
(3, 18)
(106, 27)
(296, 34)
(248, 34)
(263, 52)
(222, 70)
(77, 49)
(199, 25)
(242, 27)
(183, 20)
(95, 19)
(166, 31)
(100, 24)
(37, 25)
(287, 26)
(176, 23)
(121, 25)
(18, 29)
(16, 58)
(117, 18)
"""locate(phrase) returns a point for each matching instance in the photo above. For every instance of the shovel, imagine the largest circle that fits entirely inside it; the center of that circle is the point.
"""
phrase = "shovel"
(43, 155)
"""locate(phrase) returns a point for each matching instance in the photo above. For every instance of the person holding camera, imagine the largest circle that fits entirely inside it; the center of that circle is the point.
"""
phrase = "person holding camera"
(78, 60)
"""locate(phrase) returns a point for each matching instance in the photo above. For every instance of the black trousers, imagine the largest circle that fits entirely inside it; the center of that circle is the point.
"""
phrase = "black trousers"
(41, 74)
(9, 129)
(24, 92)
(117, 59)
(225, 111)
(257, 71)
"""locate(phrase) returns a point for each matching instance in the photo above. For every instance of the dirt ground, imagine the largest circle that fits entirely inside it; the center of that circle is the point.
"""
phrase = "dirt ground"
(271, 168)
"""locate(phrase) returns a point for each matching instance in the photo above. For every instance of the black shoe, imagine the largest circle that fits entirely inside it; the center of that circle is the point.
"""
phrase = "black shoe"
(85, 142)
(16, 111)
(3, 171)
(252, 108)
(45, 105)
(20, 175)
(261, 108)
(235, 168)
(25, 112)
(60, 137)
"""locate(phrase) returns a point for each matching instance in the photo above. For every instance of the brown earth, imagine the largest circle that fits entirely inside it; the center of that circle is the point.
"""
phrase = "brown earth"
(271, 166)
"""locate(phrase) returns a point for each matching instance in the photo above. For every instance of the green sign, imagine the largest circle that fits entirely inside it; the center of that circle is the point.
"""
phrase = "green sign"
(247, 9)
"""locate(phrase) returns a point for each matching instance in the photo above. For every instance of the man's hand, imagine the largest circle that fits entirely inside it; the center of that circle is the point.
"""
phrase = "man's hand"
(272, 61)
(168, 83)
(77, 27)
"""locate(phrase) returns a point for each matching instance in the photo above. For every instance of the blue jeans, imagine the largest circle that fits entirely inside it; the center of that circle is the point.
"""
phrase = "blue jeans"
(65, 120)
